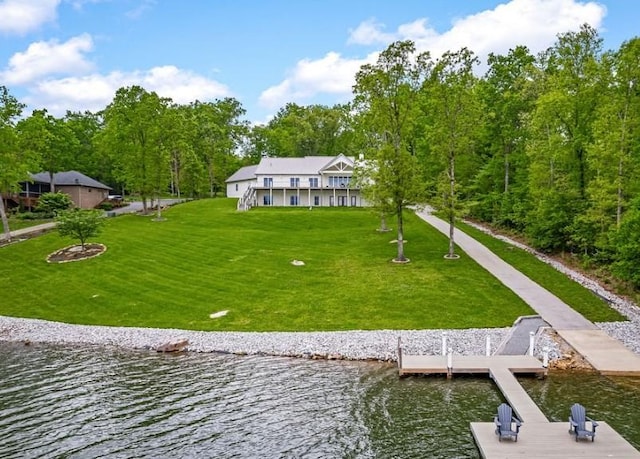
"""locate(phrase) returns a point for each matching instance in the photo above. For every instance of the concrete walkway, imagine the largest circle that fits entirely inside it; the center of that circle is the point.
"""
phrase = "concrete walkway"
(605, 354)
(31, 230)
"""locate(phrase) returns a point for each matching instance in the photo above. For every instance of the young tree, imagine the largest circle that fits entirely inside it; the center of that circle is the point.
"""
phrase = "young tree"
(80, 224)
(453, 109)
(385, 97)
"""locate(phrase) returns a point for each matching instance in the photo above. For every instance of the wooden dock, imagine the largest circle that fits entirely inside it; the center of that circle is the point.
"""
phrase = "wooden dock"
(538, 437)
(551, 440)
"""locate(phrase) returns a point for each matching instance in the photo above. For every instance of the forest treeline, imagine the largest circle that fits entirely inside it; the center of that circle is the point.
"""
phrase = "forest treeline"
(547, 145)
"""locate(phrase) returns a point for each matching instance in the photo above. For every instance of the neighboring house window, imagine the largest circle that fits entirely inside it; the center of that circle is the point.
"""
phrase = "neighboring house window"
(354, 202)
(342, 201)
(236, 187)
(268, 182)
(295, 182)
(293, 200)
(266, 200)
(313, 182)
(316, 200)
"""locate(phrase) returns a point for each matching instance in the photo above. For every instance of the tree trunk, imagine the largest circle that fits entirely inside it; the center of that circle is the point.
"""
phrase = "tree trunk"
(51, 182)
(144, 204)
(400, 258)
(452, 218)
(5, 221)
(158, 207)
(383, 224)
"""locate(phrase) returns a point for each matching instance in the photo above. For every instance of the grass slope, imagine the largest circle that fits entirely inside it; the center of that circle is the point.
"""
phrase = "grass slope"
(206, 257)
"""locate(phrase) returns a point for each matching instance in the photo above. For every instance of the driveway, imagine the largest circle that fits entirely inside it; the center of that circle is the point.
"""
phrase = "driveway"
(136, 206)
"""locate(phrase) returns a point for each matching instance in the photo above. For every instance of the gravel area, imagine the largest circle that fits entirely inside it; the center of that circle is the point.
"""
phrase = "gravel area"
(351, 345)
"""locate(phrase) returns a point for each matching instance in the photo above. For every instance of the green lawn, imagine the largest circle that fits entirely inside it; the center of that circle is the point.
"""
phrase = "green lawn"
(206, 257)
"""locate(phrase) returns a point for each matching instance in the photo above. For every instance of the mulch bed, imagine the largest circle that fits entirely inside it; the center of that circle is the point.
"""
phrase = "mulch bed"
(75, 253)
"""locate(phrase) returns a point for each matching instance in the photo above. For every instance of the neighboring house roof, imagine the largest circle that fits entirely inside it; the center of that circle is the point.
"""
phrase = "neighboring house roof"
(69, 178)
(244, 173)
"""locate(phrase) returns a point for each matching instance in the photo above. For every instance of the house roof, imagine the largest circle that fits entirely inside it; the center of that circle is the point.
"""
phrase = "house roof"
(307, 165)
(69, 178)
(244, 173)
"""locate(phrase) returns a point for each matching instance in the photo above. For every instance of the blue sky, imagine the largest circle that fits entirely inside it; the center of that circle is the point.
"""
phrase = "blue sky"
(74, 54)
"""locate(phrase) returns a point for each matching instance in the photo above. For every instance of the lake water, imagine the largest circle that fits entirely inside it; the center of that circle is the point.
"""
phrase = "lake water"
(87, 402)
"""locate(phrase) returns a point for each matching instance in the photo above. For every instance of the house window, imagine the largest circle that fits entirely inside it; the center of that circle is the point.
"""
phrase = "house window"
(354, 202)
(294, 182)
(293, 200)
(313, 182)
(266, 200)
(316, 200)
(236, 187)
(342, 201)
(339, 182)
(268, 182)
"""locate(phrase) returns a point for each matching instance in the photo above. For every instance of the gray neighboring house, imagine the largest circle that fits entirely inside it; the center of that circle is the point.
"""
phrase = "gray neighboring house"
(310, 181)
(85, 192)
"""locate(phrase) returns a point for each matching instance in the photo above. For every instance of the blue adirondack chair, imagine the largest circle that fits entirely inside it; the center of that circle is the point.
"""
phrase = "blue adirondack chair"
(505, 421)
(577, 423)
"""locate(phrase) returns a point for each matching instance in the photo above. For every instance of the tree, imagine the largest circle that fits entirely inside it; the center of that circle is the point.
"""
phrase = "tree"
(500, 184)
(219, 132)
(80, 224)
(15, 163)
(385, 97)
(452, 107)
(561, 129)
(135, 135)
(50, 140)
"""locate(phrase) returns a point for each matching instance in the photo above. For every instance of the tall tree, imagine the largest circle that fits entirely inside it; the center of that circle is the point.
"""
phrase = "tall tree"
(454, 112)
(135, 136)
(501, 181)
(15, 163)
(561, 130)
(385, 96)
(50, 139)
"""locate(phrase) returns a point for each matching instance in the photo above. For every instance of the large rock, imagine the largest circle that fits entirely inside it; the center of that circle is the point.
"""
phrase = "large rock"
(176, 345)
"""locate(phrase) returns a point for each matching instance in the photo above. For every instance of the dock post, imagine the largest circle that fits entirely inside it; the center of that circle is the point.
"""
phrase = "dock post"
(488, 346)
(399, 354)
(531, 342)
(444, 343)
(450, 364)
(545, 357)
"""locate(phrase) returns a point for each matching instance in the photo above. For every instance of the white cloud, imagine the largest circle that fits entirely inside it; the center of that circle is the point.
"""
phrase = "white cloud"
(22, 16)
(49, 58)
(332, 74)
(94, 92)
(533, 23)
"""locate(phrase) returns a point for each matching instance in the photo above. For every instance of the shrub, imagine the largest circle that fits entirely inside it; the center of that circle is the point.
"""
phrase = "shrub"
(52, 203)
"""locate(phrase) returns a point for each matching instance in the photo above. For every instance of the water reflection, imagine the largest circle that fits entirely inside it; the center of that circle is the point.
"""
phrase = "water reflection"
(97, 402)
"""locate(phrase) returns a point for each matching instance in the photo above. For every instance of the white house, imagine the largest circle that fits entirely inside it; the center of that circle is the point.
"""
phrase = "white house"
(310, 181)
